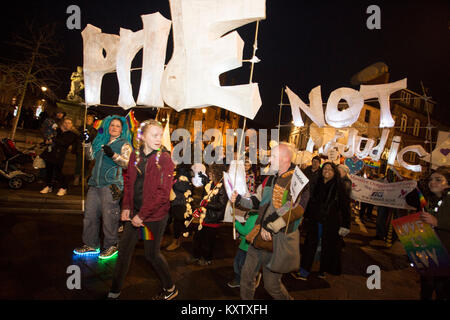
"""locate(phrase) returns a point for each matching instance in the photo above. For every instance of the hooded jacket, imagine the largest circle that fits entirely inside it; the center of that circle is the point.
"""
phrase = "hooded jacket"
(108, 171)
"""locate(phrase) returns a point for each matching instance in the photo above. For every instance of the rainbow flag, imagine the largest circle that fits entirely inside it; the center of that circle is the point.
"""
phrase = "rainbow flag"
(423, 201)
(97, 124)
(145, 233)
(133, 124)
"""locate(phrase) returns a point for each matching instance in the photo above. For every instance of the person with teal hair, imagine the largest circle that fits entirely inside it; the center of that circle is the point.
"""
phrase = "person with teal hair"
(111, 150)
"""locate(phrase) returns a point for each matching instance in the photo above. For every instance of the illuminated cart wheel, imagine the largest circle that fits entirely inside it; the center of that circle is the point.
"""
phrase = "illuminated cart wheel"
(15, 183)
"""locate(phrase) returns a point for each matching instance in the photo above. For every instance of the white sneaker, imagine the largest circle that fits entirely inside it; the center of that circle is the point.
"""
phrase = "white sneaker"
(46, 190)
(62, 192)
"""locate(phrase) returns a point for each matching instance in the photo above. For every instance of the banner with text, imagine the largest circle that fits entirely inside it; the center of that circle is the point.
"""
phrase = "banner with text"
(382, 194)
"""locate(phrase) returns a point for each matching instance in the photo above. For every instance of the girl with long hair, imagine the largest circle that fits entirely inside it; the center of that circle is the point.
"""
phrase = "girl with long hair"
(437, 214)
(145, 206)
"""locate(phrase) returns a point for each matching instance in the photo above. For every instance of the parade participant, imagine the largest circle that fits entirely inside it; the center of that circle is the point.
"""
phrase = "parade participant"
(213, 205)
(275, 215)
(55, 155)
(312, 172)
(50, 124)
(182, 190)
(111, 151)
(343, 173)
(241, 254)
(92, 132)
(250, 177)
(327, 220)
(365, 212)
(437, 214)
(146, 204)
(244, 229)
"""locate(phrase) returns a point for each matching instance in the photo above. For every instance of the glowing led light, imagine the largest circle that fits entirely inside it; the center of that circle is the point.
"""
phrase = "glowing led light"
(111, 256)
(89, 253)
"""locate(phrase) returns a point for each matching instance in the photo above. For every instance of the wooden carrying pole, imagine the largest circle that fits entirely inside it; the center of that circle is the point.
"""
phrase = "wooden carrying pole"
(82, 161)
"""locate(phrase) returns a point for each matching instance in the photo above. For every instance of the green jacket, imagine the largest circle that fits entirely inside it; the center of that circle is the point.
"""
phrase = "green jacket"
(245, 229)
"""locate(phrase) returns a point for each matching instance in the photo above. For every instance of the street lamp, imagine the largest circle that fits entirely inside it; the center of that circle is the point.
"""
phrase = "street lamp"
(44, 89)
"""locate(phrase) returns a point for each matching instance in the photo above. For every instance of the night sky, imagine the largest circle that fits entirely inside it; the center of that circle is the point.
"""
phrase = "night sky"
(302, 44)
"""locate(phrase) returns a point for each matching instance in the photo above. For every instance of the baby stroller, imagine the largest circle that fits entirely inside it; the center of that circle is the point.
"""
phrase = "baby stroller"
(11, 162)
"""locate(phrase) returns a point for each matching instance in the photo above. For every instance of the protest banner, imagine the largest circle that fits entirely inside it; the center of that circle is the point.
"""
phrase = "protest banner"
(422, 245)
(381, 194)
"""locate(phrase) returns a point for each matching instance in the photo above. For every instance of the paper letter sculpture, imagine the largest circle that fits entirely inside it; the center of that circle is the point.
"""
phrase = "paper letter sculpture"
(382, 92)
(153, 38)
(202, 53)
(315, 112)
(95, 65)
(415, 148)
(344, 118)
(235, 179)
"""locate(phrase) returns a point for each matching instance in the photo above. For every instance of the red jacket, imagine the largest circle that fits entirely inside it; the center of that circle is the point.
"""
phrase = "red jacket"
(157, 185)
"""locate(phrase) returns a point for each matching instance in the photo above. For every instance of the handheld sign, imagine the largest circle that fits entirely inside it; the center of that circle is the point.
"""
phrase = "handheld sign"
(422, 245)
(298, 182)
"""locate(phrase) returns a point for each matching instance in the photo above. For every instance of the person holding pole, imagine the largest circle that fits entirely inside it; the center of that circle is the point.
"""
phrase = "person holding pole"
(278, 219)
(111, 150)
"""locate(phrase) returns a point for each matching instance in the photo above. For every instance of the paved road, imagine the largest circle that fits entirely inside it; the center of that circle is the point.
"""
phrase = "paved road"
(37, 249)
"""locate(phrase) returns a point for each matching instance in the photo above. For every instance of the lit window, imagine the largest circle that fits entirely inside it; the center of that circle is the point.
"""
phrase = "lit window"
(416, 129)
(405, 96)
(416, 102)
(408, 98)
(403, 123)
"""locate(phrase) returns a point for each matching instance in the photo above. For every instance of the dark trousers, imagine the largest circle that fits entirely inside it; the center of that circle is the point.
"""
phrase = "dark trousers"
(382, 225)
(177, 214)
(152, 251)
(366, 211)
(330, 248)
(204, 242)
(239, 261)
(312, 240)
(440, 285)
(54, 172)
